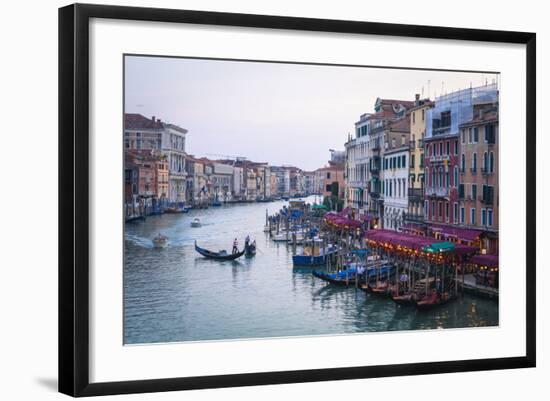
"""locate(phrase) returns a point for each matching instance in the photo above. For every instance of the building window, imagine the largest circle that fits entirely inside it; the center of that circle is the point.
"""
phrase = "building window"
(414, 115)
(463, 162)
(328, 175)
(446, 119)
(473, 216)
(456, 148)
(455, 212)
(447, 212)
(456, 177)
(440, 148)
(462, 215)
(463, 136)
(440, 209)
(448, 148)
(490, 217)
(422, 114)
(474, 162)
(474, 191)
(403, 161)
(469, 135)
(476, 135)
(491, 162)
(433, 210)
(483, 217)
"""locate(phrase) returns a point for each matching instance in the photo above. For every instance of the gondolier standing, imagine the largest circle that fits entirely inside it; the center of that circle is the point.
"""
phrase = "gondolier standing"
(235, 246)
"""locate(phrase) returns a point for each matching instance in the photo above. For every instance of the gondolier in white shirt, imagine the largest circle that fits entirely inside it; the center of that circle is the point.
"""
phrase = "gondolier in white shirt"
(235, 246)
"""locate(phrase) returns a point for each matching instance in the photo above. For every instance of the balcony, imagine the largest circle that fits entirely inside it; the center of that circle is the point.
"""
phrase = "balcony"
(416, 193)
(418, 218)
(486, 200)
(439, 158)
(485, 171)
(374, 195)
(440, 192)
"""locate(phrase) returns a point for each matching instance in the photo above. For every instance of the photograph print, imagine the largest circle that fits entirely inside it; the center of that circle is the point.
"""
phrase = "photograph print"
(273, 199)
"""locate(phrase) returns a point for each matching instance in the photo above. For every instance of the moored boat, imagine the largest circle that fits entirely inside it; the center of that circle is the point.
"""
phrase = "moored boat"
(343, 277)
(314, 255)
(220, 255)
(196, 222)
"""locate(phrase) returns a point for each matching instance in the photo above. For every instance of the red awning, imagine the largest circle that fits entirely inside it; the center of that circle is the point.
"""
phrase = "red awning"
(464, 234)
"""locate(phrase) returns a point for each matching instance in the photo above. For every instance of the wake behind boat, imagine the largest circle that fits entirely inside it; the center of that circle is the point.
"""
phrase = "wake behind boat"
(220, 255)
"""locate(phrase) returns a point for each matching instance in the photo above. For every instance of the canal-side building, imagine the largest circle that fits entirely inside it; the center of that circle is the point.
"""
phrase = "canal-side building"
(380, 133)
(145, 179)
(196, 180)
(330, 179)
(142, 133)
(478, 189)
(221, 180)
(395, 172)
(357, 166)
(173, 146)
(446, 161)
(414, 217)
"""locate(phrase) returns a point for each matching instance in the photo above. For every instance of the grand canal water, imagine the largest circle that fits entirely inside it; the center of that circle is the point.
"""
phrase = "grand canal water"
(174, 294)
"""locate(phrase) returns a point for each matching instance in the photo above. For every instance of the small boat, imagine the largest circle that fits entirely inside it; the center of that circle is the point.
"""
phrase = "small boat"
(160, 241)
(196, 222)
(250, 250)
(281, 237)
(314, 255)
(216, 203)
(220, 255)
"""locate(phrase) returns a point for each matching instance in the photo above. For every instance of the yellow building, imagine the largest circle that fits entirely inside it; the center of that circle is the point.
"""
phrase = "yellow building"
(418, 117)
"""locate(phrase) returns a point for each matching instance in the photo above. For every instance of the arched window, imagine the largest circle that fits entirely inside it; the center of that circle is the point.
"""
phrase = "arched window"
(491, 162)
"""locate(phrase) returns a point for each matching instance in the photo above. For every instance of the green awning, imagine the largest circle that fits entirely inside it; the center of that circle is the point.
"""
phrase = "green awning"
(439, 247)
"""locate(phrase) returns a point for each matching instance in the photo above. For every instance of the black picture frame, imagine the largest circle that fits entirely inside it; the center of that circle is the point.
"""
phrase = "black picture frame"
(74, 198)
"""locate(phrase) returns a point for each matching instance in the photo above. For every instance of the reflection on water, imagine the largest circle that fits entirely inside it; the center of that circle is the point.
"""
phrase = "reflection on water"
(174, 294)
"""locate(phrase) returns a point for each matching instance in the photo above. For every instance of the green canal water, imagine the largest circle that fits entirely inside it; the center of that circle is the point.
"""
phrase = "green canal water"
(174, 294)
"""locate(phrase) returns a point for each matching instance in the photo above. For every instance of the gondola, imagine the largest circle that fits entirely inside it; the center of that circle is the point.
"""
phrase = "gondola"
(250, 250)
(222, 255)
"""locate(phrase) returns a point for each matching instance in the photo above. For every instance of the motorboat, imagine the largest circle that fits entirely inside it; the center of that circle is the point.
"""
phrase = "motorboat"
(196, 222)
(160, 241)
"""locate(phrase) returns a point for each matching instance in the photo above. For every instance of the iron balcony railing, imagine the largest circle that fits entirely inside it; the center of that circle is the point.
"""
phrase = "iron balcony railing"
(413, 217)
(437, 191)
(416, 192)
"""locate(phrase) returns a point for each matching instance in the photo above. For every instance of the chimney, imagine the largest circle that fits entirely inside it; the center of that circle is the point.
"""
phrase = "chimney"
(417, 99)
(153, 118)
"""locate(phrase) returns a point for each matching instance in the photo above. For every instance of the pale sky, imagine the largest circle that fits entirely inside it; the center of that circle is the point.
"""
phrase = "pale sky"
(277, 113)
